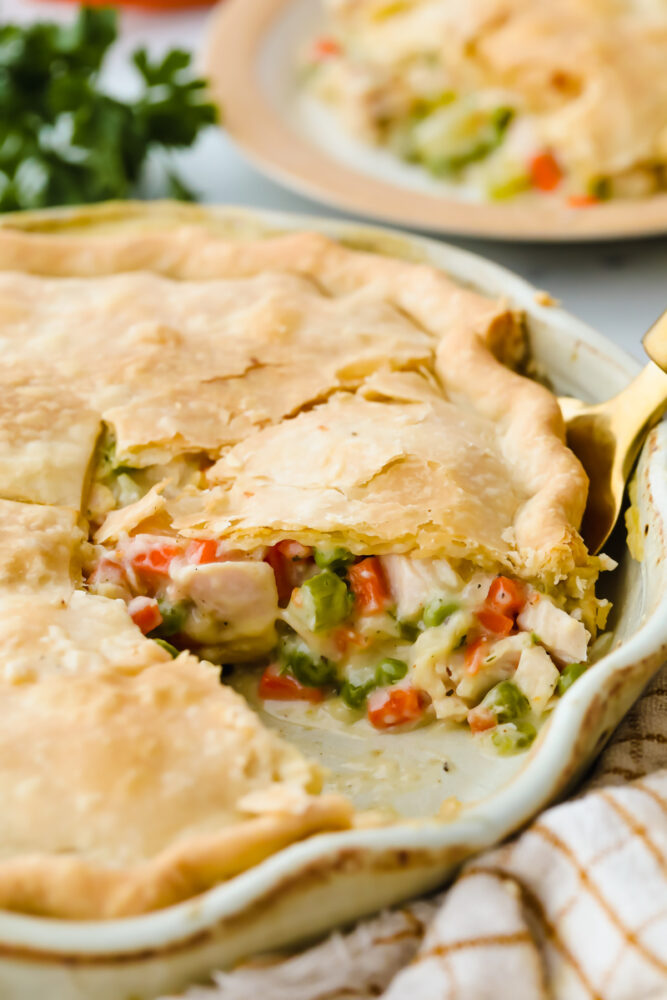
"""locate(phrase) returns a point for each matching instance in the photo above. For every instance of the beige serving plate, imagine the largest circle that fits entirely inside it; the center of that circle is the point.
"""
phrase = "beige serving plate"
(251, 60)
(332, 879)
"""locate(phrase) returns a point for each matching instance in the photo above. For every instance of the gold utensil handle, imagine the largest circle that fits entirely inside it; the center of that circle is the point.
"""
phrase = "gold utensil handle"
(655, 342)
(607, 437)
(635, 410)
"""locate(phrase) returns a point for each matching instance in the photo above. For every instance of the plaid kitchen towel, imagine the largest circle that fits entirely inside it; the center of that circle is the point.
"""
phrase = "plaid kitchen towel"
(575, 908)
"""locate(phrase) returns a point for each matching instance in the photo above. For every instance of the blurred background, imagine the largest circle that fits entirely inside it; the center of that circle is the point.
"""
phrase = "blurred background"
(620, 288)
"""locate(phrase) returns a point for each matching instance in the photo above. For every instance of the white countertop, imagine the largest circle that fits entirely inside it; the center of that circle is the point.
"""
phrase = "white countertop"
(620, 288)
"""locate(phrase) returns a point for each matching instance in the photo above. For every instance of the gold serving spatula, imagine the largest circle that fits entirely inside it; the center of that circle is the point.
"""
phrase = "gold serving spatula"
(607, 437)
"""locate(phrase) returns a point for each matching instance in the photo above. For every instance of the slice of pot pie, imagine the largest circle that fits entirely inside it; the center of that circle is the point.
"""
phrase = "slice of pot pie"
(505, 96)
(126, 792)
(317, 466)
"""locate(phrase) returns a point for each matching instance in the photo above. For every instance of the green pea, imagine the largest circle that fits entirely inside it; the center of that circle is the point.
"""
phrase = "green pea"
(571, 673)
(354, 695)
(309, 669)
(107, 463)
(463, 136)
(173, 618)
(173, 652)
(601, 188)
(509, 186)
(408, 631)
(502, 117)
(437, 611)
(423, 106)
(326, 601)
(389, 671)
(506, 702)
(335, 558)
(513, 738)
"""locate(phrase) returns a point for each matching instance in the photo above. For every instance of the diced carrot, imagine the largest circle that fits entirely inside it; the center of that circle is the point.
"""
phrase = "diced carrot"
(204, 550)
(369, 586)
(582, 200)
(287, 559)
(480, 719)
(388, 707)
(155, 561)
(344, 637)
(276, 686)
(495, 622)
(545, 173)
(325, 48)
(506, 596)
(145, 613)
(475, 654)
(278, 564)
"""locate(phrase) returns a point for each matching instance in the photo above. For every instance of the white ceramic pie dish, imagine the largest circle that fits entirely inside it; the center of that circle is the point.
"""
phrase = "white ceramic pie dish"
(333, 878)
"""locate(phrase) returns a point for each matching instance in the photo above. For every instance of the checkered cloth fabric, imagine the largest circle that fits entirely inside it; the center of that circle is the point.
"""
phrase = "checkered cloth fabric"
(575, 908)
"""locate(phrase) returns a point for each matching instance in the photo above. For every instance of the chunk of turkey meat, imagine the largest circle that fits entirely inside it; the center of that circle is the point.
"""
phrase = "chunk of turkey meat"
(565, 637)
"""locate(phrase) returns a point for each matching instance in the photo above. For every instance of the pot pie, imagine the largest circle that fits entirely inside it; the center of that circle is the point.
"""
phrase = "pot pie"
(566, 98)
(276, 455)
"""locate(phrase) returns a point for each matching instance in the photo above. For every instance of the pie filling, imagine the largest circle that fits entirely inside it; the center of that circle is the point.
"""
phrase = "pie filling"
(402, 641)
(399, 82)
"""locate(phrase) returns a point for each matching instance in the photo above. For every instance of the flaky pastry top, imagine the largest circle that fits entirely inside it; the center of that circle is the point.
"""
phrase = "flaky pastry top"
(129, 792)
(326, 394)
(183, 342)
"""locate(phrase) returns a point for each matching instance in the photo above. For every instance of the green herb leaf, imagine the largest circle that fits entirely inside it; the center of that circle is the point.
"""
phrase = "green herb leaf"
(177, 189)
(62, 139)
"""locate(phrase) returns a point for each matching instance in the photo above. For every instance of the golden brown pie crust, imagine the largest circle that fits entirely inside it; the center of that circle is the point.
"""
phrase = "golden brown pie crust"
(336, 394)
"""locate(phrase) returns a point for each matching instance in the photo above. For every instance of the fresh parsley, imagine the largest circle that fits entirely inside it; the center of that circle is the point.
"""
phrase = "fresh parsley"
(63, 140)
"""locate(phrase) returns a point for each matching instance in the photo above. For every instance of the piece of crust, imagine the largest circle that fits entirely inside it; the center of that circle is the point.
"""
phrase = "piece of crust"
(405, 470)
(329, 319)
(125, 520)
(40, 550)
(85, 634)
(47, 432)
(126, 793)
(193, 366)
